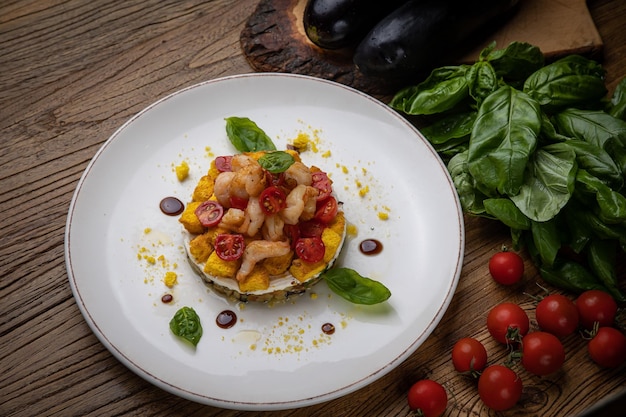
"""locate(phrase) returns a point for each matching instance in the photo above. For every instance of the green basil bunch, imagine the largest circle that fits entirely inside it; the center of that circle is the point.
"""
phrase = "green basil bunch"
(538, 147)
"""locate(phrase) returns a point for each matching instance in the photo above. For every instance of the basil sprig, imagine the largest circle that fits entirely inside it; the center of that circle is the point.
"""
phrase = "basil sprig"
(246, 136)
(355, 288)
(276, 162)
(186, 325)
(539, 148)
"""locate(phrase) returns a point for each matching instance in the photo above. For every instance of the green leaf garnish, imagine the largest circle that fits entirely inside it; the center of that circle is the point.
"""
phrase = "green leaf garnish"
(186, 325)
(355, 288)
(276, 162)
(246, 136)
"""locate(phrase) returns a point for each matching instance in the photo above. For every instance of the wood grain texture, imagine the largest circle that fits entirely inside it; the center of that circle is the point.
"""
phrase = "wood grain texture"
(72, 72)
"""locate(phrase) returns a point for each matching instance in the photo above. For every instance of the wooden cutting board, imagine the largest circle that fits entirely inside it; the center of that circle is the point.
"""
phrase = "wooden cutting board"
(274, 40)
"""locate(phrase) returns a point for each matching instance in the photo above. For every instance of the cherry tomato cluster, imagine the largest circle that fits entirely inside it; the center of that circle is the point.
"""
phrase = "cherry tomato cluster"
(539, 352)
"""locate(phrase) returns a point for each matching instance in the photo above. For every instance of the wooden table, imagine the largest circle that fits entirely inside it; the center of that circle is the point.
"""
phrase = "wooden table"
(71, 73)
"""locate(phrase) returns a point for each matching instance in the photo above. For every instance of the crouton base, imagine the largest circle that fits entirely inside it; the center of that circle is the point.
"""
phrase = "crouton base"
(281, 288)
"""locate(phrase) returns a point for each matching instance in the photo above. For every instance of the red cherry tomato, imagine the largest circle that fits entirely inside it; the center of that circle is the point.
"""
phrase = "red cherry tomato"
(608, 347)
(292, 231)
(507, 323)
(596, 306)
(558, 315)
(327, 210)
(310, 249)
(224, 163)
(275, 180)
(209, 213)
(311, 228)
(229, 247)
(506, 268)
(469, 355)
(238, 202)
(499, 387)
(272, 200)
(429, 397)
(323, 185)
(542, 353)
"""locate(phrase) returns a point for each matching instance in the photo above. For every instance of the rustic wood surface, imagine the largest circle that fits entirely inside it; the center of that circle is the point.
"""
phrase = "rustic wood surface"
(274, 40)
(72, 72)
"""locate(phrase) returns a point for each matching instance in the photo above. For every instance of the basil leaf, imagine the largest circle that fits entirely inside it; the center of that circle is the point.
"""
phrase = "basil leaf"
(455, 126)
(470, 197)
(482, 80)
(612, 204)
(617, 107)
(593, 126)
(246, 136)
(348, 284)
(186, 325)
(517, 61)
(597, 162)
(570, 276)
(547, 240)
(503, 138)
(549, 183)
(276, 162)
(602, 256)
(444, 88)
(570, 81)
(507, 212)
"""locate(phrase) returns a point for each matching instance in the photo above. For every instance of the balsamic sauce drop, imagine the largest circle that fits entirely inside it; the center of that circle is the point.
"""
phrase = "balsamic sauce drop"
(328, 328)
(167, 298)
(371, 247)
(171, 206)
(226, 319)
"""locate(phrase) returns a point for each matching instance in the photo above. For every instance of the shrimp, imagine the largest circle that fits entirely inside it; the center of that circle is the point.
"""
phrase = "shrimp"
(298, 199)
(254, 217)
(222, 187)
(233, 219)
(273, 228)
(249, 181)
(298, 173)
(256, 251)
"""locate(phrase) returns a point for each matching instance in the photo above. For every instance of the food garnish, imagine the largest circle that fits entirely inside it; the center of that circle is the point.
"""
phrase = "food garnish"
(186, 325)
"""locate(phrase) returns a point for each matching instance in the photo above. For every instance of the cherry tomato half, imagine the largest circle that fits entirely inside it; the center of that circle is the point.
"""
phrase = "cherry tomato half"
(499, 387)
(608, 347)
(596, 306)
(224, 163)
(558, 315)
(323, 185)
(469, 355)
(209, 213)
(506, 268)
(311, 228)
(229, 247)
(272, 200)
(327, 210)
(542, 353)
(507, 323)
(292, 231)
(310, 249)
(238, 202)
(429, 397)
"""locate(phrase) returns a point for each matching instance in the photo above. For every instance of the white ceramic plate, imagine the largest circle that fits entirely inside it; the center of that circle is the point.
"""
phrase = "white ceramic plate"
(275, 357)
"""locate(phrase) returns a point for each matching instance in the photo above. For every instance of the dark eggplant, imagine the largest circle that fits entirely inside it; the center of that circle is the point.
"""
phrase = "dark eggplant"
(334, 24)
(415, 37)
